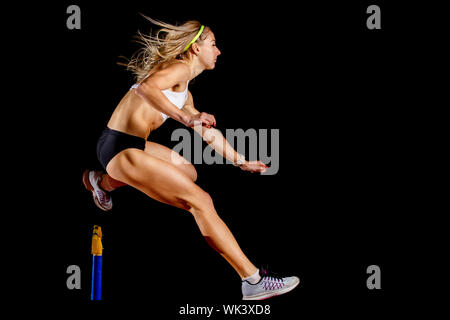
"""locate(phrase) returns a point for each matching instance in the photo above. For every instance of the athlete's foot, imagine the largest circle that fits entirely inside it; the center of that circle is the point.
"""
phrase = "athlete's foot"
(269, 286)
(91, 181)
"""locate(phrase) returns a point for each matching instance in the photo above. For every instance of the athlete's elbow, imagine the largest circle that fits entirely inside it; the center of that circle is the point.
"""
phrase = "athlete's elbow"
(145, 90)
(142, 90)
(139, 91)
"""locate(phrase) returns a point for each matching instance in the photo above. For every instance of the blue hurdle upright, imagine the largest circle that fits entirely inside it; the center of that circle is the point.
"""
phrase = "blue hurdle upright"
(97, 260)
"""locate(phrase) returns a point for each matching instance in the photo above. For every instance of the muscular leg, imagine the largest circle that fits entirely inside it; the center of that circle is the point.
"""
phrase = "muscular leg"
(161, 152)
(165, 182)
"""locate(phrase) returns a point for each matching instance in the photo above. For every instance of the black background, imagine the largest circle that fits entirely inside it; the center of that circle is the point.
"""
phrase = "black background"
(342, 200)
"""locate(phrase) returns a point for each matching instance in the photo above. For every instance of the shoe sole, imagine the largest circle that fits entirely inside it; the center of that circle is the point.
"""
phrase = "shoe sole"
(88, 186)
(264, 296)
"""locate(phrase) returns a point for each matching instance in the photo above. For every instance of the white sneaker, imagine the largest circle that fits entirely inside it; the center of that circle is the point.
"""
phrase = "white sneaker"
(102, 198)
(269, 286)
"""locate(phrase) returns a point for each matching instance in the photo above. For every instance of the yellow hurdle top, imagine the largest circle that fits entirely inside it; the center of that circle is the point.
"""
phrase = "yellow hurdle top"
(97, 247)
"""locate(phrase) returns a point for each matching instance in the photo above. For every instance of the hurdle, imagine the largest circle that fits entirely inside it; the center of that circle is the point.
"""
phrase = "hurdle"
(97, 260)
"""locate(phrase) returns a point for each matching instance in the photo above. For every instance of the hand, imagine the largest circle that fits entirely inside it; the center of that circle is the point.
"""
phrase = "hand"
(203, 118)
(254, 166)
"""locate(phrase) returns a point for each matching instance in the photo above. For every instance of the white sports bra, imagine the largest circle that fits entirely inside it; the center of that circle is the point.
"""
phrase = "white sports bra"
(177, 98)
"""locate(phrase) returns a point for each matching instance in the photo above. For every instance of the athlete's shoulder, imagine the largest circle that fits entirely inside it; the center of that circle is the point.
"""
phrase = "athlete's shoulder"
(180, 68)
(169, 74)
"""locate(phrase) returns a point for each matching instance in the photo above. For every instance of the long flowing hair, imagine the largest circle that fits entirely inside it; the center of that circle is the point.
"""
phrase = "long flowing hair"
(166, 45)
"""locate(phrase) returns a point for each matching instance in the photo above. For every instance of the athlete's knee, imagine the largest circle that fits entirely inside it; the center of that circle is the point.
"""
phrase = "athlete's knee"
(184, 165)
(206, 199)
(188, 170)
(201, 203)
(191, 172)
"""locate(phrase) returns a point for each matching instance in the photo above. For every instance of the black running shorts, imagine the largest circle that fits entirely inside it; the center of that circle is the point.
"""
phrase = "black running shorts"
(111, 142)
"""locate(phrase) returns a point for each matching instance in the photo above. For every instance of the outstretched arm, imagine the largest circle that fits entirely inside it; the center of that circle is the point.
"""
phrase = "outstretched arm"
(218, 142)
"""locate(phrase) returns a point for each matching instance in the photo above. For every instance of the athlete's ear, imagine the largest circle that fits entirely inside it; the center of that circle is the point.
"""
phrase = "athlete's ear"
(195, 48)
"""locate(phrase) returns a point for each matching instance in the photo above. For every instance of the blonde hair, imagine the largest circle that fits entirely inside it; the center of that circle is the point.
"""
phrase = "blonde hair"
(166, 45)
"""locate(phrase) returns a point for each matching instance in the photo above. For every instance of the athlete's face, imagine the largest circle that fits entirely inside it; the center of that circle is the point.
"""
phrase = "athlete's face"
(208, 51)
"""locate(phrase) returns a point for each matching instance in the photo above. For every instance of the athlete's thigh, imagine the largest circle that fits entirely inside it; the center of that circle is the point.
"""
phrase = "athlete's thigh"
(162, 152)
(159, 179)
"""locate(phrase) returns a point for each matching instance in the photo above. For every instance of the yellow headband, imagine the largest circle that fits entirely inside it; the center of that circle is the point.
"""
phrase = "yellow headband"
(195, 38)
